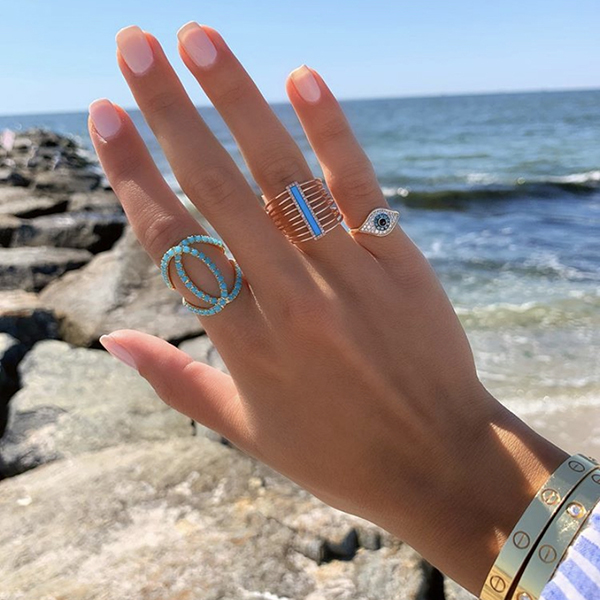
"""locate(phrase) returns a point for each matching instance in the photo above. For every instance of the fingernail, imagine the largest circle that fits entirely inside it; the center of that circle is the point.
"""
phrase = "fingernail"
(135, 49)
(105, 118)
(197, 44)
(306, 84)
(118, 351)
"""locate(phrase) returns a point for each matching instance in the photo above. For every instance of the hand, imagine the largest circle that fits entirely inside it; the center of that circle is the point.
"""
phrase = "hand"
(350, 372)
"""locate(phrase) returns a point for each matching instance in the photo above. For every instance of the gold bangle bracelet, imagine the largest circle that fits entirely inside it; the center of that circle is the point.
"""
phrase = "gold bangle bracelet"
(558, 537)
(530, 527)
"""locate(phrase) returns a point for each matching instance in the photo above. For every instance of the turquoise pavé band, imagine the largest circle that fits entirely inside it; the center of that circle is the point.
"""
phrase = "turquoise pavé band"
(185, 247)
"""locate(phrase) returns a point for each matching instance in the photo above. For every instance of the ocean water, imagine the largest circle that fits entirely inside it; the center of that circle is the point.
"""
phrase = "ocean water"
(502, 194)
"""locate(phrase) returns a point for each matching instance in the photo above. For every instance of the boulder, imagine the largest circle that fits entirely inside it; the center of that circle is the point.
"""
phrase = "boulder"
(98, 201)
(453, 591)
(9, 225)
(12, 176)
(11, 352)
(90, 231)
(73, 400)
(68, 181)
(22, 202)
(118, 289)
(23, 317)
(184, 520)
(31, 269)
(203, 350)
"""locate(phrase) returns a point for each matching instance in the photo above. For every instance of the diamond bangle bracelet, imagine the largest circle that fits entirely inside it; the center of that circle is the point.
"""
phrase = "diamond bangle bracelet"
(522, 540)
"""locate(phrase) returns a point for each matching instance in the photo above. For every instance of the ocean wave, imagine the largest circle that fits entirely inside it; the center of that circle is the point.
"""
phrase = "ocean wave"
(484, 187)
(568, 311)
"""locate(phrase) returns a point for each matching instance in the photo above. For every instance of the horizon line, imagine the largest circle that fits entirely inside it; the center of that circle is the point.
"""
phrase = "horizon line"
(416, 96)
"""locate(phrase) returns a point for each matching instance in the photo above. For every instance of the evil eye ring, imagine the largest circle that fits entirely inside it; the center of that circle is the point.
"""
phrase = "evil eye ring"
(184, 247)
(379, 222)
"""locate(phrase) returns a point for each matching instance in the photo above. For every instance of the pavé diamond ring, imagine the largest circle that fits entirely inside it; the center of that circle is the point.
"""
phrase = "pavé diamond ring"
(379, 222)
(185, 248)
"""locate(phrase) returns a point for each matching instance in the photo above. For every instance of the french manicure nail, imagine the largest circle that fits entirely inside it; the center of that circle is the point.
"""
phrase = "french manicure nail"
(197, 44)
(135, 49)
(105, 118)
(306, 84)
(118, 351)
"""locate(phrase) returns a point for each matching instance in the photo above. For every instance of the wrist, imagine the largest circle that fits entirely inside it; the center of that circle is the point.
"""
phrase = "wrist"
(459, 517)
(514, 463)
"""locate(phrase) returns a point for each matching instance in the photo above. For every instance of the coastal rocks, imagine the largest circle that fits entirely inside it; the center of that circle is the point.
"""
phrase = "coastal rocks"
(38, 150)
(23, 317)
(31, 269)
(181, 520)
(51, 198)
(121, 288)
(453, 591)
(67, 181)
(203, 350)
(93, 232)
(8, 226)
(75, 400)
(21, 202)
(99, 201)
(10, 176)
(11, 352)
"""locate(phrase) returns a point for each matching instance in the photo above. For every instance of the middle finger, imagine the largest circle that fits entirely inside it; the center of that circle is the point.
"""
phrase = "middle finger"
(204, 169)
(273, 157)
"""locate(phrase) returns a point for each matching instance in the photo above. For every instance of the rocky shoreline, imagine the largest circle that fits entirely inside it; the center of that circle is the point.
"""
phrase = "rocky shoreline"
(105, 492)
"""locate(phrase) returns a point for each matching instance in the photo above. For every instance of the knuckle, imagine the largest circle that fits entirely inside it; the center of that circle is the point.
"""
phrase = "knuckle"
(279, 167)
(232, 94)
(355, 181)
(333, 130)
(212, 184)
(161, 103)
(159, 234)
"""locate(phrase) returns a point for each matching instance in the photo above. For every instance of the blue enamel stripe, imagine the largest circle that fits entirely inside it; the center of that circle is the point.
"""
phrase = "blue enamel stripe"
(305, 209)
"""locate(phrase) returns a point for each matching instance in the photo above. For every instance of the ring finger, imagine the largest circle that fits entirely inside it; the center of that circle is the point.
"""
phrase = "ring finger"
(348, 171)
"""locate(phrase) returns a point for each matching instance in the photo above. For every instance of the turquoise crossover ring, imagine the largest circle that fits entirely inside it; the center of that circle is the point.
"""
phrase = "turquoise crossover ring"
(304, 211)
(184, 247)
(379, 222)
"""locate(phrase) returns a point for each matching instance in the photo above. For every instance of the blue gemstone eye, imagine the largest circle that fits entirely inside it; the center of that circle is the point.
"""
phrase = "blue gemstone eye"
(381, 221)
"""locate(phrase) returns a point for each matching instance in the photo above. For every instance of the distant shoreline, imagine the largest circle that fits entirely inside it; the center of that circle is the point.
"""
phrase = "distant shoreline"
(350, 100)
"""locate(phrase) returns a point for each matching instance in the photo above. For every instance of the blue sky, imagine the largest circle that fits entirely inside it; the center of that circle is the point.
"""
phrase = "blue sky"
(58, 56)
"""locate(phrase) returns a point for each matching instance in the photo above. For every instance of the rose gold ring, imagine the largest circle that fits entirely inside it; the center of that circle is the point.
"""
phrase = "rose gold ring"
(304, 211)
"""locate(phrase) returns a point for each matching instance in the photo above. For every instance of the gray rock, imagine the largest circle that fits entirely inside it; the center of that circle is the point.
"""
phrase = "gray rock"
(9, 225)
(98, 201)
(118, 289)
(31, 269)
(22, 202)
(12, 176)
(23, 317)
(183, 520)
(11, 352)
(453, 591)
(90, 231)
(75, 400)
(203, 350)
(67, 180)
